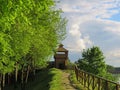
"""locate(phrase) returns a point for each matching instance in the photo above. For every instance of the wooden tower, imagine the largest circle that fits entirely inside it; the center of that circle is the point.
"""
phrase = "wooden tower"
(61, 57)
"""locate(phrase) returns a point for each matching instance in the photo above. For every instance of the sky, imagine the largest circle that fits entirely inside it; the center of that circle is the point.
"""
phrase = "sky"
(92, 23)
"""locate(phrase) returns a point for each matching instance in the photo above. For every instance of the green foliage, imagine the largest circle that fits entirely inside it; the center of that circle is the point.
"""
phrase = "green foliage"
(110, 68)
(109, 76)
(28, 27)
(93, 61)
(70, 65)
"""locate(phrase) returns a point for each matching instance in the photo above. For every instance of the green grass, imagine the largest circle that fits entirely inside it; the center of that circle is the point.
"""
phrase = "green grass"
(75, 82)
(44, 80)
(56, 83)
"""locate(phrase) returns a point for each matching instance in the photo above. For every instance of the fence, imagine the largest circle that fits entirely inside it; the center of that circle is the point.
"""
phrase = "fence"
(93, 82)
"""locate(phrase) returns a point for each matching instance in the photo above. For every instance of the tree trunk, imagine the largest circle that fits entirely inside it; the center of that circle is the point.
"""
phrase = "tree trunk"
(33, 70)
(16, 73)
(0, 81)
(3, 81)
(28, 70)
(8, 78)
(22, 80)
(22, 77)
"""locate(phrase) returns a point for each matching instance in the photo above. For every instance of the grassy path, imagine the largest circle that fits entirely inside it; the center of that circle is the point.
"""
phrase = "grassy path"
(66, 82)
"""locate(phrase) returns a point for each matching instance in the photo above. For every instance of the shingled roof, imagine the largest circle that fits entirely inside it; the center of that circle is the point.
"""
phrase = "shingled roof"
(60, 48)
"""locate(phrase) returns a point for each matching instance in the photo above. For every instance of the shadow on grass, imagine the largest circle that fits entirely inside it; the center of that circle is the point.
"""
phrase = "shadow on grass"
(40, 82)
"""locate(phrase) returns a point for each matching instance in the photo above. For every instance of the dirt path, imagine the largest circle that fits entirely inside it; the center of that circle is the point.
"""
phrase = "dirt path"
(66, 82)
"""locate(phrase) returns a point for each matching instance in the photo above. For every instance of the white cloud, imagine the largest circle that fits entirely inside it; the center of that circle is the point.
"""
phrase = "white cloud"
(98, 25)
(99, 8)
(113, 27)
(113, 57)
(114, 53)
(75, 41)
(89, 23)
(77, 45)
(74, 31)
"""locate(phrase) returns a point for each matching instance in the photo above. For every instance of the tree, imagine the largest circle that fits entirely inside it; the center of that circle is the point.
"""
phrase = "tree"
(93, 61)
(110, 68)
(28, 28)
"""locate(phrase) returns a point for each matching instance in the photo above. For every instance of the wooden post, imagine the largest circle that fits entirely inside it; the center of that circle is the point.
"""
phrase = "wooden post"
(76, 72)
(99, 83)
(106, 85)
(84, 79)
(94, 82)
(93, 78)
(80, 76)
(88, 82)
(117, 87)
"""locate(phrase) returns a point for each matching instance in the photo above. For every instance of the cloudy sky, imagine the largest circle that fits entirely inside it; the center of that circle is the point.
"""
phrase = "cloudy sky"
(93, 22)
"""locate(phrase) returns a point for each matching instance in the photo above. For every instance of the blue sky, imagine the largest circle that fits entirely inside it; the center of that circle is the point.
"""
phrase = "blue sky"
(93, 22)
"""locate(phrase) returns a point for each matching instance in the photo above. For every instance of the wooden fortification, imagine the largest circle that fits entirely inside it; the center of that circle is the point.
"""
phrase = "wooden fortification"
(61, 57)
